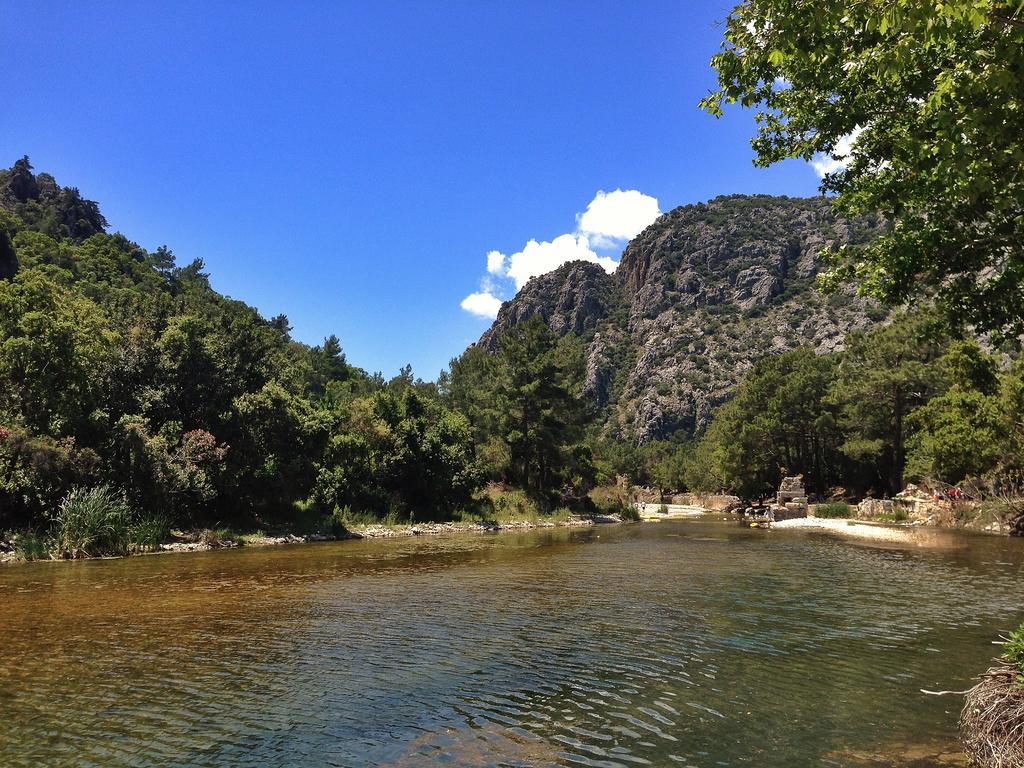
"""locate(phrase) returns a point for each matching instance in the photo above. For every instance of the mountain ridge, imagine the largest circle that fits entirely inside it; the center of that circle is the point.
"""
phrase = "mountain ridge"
(698, 297)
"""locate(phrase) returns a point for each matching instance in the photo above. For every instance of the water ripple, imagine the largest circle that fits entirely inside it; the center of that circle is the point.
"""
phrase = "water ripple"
(688, 644)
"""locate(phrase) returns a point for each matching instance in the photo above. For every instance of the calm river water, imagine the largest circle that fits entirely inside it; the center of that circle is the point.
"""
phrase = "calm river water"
(672, 644)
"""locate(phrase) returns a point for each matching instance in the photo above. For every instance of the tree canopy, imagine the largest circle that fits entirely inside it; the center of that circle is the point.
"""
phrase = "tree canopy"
(904, 401)
(119, 368)
(920, 107)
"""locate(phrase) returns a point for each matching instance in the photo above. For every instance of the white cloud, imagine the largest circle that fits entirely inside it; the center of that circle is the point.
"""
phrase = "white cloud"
(613, 218)
(837, 160)
(609, 221)
(538, 258)
(482, 304)
(496, 263)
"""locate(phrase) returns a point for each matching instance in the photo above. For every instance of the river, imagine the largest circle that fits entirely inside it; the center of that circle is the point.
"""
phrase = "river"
(689, 643)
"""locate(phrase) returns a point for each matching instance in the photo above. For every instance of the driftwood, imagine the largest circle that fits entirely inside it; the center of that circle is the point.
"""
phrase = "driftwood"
(992, 721)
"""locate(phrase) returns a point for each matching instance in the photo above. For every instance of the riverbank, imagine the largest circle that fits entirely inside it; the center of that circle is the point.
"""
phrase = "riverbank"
(208, 540)
(479, 526)
(914, 535)
(847, 527)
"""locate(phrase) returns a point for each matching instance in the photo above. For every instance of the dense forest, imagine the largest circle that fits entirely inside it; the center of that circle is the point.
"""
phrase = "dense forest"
(904, 402)
(125, 371)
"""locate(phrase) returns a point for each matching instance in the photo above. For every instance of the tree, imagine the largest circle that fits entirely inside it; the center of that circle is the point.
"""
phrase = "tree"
(398, 452)
(170, 473)
(8, 256)
(1011, 405)
(669, 468)
(55, 349)
(540, 415)
(919, 106)
(280, 324)
(329, 365)
(959, 434)
(780, 421)
(274, 438)
(470, 388)
(162, 260)
(883, 376)
(21, 182)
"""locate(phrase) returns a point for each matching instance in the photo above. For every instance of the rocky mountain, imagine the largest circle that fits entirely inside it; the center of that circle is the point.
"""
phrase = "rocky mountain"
(697, 299)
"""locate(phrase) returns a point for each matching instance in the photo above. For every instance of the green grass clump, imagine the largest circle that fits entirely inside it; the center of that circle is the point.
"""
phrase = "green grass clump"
(100, 522)
(834, 509)
(149, 533)
(93, 522)
(1013, 651)
(28, 545)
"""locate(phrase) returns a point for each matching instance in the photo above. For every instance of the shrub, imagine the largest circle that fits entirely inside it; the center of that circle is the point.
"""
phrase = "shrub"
(510, 504)
(92, 522)
(336, 523)
(150, 532)
(1013, 651)
(834, 509)
(613, 501)
(28, 545)
(630, 514)
(218, 538)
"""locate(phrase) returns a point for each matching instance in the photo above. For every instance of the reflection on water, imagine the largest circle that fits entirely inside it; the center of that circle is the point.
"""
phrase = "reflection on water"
(689, 643)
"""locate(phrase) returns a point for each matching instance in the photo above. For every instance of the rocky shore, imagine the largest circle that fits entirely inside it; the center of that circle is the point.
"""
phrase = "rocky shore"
(204, 541)
(484, 526)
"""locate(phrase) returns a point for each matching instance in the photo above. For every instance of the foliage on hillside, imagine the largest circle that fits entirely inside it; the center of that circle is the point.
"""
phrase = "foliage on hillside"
(902, 402)
(123, 370)
(526, 409)
(119, 367)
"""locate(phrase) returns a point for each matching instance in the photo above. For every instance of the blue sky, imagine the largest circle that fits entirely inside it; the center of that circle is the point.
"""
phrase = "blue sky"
(352, 164)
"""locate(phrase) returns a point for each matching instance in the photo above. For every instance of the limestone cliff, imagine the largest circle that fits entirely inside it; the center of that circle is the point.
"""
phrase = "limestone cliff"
(697, 299)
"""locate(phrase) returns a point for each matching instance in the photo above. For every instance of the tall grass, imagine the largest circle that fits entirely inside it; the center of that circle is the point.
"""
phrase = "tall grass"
(344, 518)
(98, 522)
(92, 522)
(149, 533)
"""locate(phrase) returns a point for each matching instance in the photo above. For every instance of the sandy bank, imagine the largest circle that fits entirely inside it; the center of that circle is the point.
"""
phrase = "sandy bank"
(197, 542)
(857, 529)
(655, 512)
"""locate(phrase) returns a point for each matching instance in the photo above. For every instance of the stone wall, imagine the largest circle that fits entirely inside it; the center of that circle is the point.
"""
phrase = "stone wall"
(870, 509)
(719, 502)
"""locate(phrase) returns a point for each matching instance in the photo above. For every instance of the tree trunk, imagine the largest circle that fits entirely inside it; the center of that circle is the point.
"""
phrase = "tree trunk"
(897, 442)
